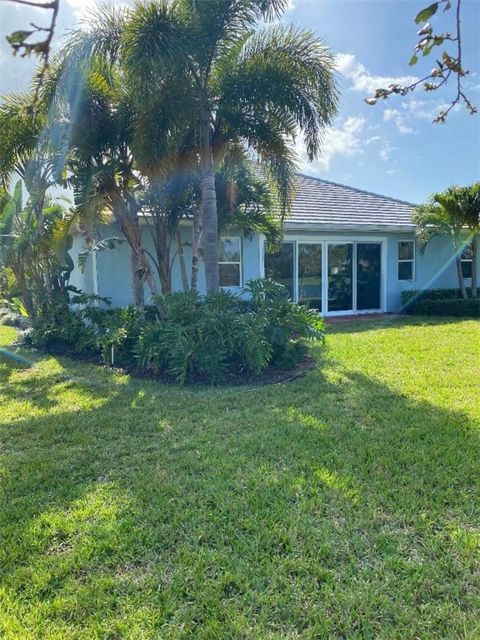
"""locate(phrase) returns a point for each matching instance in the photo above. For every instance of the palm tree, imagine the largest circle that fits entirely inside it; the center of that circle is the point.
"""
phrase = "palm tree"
(90, 99)
(202, 61)
(443, 215)
(470, 205)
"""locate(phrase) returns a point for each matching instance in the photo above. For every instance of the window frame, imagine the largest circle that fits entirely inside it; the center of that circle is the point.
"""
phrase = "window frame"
(411, 260)
(239, 263)
(467, 260)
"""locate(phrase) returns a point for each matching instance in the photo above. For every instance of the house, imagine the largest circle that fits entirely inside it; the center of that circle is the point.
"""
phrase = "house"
(345, 251)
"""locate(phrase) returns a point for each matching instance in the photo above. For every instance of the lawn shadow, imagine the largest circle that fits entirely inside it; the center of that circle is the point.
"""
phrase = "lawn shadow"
(209, 509)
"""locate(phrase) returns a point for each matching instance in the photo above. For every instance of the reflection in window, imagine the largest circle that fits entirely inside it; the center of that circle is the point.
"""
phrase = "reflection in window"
(406, 259)
(340, 277)
(310, 275)
(279, 266)
(230, 262)
(466, 261)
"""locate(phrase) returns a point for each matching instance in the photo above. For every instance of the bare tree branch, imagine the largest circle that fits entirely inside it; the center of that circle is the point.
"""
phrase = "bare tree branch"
(447, 66)
(21, 43)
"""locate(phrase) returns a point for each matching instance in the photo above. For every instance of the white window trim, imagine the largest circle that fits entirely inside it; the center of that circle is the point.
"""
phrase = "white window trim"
(240, 262)
(412, 260)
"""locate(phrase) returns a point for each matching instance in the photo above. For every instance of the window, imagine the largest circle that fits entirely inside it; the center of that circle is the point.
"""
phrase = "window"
(406, 260)
(466, 260)
(230, 262)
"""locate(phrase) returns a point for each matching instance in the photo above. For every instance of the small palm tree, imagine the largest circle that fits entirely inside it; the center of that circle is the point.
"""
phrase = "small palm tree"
(470, 205)
(444, 215)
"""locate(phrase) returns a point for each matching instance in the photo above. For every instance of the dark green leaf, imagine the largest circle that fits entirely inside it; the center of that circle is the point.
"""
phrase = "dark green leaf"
(426, 13)
(413, 60)
(18, 37)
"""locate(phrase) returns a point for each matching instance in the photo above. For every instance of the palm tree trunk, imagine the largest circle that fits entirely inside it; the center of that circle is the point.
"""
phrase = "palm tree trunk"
(475, 266)
(208, 207)
(137, 280)
(461, 281)
(181, 258)
(196, 239)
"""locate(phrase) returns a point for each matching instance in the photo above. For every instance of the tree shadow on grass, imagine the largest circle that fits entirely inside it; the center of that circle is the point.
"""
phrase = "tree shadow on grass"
(315, 509)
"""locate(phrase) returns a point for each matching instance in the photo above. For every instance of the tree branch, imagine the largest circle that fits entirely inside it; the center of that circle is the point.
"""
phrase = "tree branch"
(447, 66)
(18, 39)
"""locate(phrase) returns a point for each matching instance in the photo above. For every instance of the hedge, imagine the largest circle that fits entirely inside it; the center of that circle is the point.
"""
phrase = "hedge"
(432, 294)
(458, 307)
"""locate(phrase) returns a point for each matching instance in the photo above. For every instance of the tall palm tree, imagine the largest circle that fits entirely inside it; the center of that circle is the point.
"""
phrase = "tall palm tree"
(205, 58)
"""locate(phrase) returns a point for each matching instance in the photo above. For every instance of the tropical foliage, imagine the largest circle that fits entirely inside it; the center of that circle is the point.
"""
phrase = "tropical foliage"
(163, 114)
(187, 337)
(454, 213)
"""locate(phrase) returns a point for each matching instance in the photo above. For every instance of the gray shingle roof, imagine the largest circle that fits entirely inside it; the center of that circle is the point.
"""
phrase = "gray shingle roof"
(320, 202)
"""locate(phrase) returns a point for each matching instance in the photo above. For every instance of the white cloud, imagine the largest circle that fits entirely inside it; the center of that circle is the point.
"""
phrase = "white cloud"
(343, 141)
(426, 109)
(362, 79)
(399, 120)
(386, 150)
(82, 7)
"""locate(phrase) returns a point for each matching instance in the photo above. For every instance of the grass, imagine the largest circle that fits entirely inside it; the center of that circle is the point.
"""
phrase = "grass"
(344, 504)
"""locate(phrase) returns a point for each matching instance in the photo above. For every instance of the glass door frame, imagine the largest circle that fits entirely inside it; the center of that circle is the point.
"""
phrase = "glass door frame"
(325, 241)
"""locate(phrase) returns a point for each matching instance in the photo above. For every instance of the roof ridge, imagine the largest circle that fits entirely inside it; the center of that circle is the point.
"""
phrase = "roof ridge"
(346, 186)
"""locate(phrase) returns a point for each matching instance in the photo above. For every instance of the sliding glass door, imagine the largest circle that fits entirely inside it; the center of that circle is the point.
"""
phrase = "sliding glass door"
(333, 276)
(340, 276)
(369, 272)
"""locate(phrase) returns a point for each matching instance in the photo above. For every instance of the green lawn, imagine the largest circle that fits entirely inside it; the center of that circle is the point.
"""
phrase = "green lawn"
(344, 504)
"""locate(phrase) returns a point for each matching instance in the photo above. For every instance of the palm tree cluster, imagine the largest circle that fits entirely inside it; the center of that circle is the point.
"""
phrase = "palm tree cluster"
(174, 110)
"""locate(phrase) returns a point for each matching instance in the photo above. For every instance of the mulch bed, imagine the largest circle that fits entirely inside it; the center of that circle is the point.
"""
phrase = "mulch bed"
(273, 375)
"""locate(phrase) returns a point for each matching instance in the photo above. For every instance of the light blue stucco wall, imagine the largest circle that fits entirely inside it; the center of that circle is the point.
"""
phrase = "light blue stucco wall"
(434, 268)
(113, 265)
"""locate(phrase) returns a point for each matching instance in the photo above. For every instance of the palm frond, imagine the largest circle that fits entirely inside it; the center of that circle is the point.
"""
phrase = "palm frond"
(287, 74)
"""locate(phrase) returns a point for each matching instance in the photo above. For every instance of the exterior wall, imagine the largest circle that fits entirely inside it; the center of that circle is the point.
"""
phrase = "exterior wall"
(113, 266)
(435, 268)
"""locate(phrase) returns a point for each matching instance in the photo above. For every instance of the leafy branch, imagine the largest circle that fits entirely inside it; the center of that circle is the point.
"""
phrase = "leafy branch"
(21, 43)
(447, 65)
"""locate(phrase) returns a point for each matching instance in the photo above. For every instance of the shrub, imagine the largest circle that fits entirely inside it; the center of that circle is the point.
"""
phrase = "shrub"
(431, 294)
(205, 338)
(60, 328)
(457, 307)
(186, 336)
(222, 335)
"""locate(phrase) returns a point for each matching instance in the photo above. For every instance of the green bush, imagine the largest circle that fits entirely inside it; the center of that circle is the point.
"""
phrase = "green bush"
(457, 307)
(432, 294)
(206, 338)
(57, 328)
(221, 335)
(187, 336)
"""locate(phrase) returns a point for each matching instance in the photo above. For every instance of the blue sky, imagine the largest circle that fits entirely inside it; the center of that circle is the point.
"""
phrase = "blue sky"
(392, 148)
